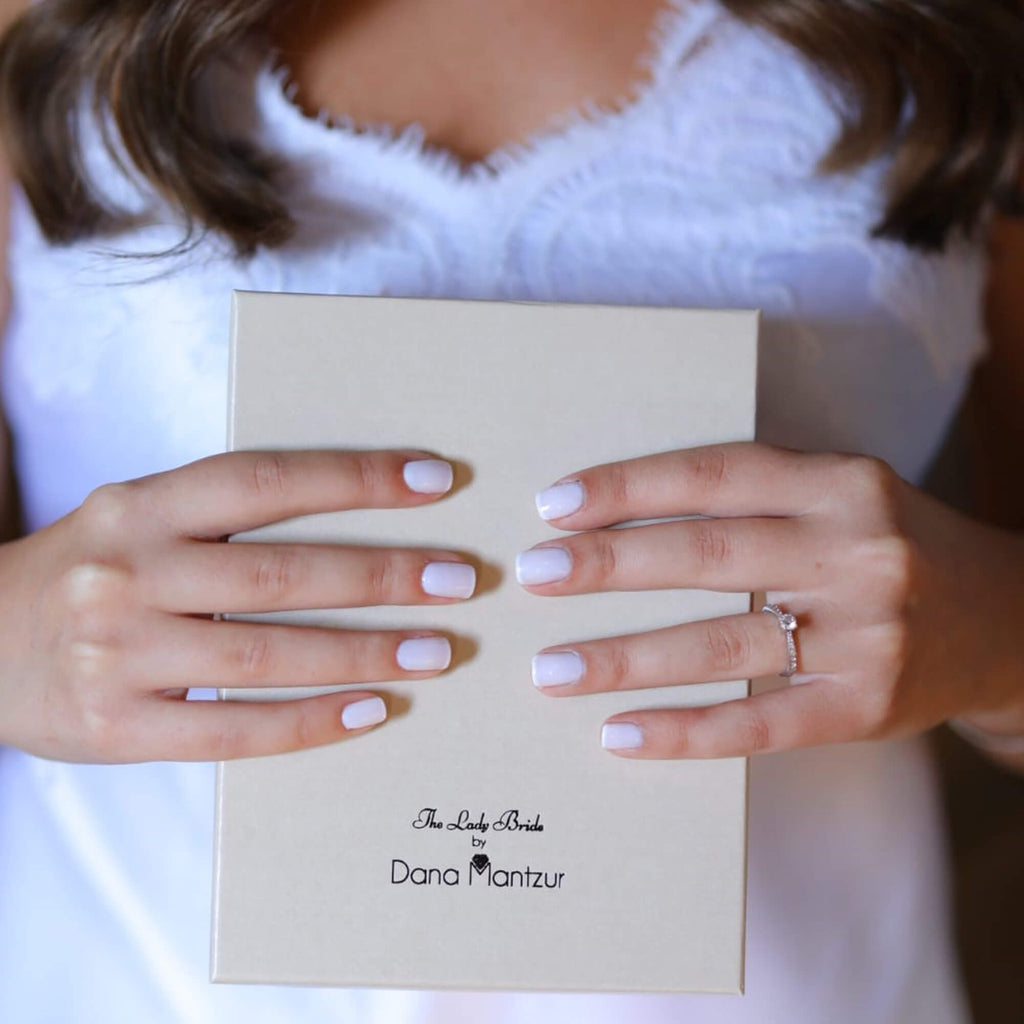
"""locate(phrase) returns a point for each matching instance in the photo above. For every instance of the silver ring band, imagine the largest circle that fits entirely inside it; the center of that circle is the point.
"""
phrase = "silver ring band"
(787, 623)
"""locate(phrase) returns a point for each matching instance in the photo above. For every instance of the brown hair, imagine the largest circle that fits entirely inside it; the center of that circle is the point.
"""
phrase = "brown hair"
(939, 84)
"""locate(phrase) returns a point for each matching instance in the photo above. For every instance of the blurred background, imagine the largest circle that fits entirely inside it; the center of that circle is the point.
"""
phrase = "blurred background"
(985, 803)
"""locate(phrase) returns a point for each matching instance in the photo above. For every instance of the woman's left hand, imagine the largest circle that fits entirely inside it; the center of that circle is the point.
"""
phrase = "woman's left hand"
(909, 613)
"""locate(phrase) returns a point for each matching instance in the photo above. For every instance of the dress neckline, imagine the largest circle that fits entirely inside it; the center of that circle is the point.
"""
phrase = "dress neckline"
(676, 31)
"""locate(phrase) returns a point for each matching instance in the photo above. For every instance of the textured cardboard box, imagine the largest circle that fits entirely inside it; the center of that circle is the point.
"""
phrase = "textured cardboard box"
(330, 869)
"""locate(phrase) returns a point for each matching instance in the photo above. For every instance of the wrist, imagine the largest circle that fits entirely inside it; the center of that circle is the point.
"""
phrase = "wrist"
(991, 717)
(994, 692)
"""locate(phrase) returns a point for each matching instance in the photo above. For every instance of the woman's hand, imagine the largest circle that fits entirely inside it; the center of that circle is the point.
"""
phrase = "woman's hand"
(106, 614)
(909, 613)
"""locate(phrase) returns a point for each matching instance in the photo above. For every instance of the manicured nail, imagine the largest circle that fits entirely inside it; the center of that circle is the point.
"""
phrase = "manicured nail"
(621, 736)
(362, 713)
(542, 565)
(449, 579)
(428, 476)
(557, 668)
(424, 654)
(559, 500)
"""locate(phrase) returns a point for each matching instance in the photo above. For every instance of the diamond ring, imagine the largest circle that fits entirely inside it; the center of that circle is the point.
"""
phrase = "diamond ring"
(787, 623)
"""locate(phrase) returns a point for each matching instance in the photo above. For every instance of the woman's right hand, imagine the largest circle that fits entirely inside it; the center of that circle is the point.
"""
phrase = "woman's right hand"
(106, 615)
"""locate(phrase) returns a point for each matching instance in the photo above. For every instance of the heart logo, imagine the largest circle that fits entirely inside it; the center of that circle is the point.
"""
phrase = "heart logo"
(480, 861)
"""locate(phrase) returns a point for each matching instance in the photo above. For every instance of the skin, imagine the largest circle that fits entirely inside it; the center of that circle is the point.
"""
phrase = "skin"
(474, 75)
(908, 610)
(109, 610)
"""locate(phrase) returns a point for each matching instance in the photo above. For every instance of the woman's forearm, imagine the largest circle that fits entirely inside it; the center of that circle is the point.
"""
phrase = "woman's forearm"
(995, 428)
(999, 732)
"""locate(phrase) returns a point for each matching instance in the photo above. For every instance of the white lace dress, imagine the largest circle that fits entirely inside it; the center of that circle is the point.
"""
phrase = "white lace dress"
(700, 192)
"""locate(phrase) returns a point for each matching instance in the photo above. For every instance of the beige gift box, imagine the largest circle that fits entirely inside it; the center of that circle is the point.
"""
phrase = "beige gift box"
(482, 838)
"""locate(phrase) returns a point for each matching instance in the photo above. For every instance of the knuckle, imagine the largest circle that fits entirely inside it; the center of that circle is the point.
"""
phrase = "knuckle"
(98, 719)
(879, 695)
(602, 559)
(109, 510)
(362, 652)
(711, 468)
(711, 544)
(303, 732)
(101, 729)
(618, 485)
(369, 472)
(727, 647)
(275, 575)
(867, 479)
(877, 711)
(892, 647)
(84, 666)
(756, 733)
(269, 476)
(894, 566)
(686, 732)
(231, 741)
(618, 665)
(253, 656)
(877, 699)
(381, 578)
(93, 596)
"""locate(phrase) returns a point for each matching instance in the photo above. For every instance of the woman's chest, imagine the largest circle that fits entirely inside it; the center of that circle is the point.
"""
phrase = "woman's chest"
(475, 76)
(115, 367)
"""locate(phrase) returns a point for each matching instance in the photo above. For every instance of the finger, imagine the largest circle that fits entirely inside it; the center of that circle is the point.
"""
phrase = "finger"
(177, 730)
(741, 479)
(196, 652)
(707, 554)
(204, 576)
(714, 650)
(235, 491)
(816, 712)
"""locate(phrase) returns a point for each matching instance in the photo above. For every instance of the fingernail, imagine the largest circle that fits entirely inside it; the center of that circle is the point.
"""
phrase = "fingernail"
(428, 476)
(621, 736)
(424, 654)
(557, 668)
(543, 565)
(449, 579)
(559, 500)
(362, 713)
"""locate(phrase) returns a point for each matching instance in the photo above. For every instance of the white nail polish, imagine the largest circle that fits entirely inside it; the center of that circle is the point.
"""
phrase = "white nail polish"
(542, 565)
(449, 579)
(557, 668)
(559, 500)
(424, 654)
(428, 476)
(621, 736)
(362, 713)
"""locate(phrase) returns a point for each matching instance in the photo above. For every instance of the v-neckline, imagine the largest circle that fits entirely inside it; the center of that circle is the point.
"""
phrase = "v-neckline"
(675, 29)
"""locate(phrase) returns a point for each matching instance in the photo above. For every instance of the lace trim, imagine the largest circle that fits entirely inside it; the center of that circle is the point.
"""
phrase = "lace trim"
(677, 30)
